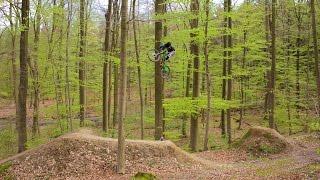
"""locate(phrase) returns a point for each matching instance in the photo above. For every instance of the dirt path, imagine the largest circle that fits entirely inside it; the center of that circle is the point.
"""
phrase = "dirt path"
(300, 162)
(83, 155)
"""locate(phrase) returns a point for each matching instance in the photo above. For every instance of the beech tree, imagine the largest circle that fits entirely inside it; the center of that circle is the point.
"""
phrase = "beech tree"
(23, 87)
(194, 49)
(157, 77)
(123, 86)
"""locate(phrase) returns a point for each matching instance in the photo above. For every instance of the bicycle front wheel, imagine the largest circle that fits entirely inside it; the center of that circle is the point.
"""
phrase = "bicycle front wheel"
(154, 55)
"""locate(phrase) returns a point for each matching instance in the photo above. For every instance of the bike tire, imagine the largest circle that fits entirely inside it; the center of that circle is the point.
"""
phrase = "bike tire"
(154, 55)
(165, 75)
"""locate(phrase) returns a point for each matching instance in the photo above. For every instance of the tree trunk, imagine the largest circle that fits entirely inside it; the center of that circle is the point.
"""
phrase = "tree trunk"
(82, 64)
(242, 93)
(106, 68)
(115, 37)
(229, 91)
(139, 69)
(267, 27)
(298, 43)
(35, 72)
(15, 81)
(158, 79)
(115, 96)
(109, 95)
(123, 84)
(208, 80)
(224, 71)
(23, 87)
(315, 45)
(196, 63)
(69, 19)
(273, 67)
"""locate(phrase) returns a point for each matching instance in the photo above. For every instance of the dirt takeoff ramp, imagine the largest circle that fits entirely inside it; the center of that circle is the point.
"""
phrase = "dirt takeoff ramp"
(83, 156)
(262, 141)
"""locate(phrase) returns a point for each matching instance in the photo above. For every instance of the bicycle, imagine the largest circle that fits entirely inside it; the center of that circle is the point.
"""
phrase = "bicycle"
(155, 56)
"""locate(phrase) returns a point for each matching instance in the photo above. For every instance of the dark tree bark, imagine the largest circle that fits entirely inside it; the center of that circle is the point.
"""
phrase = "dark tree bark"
(208, 80)
(229, 70)
(106, 68)
(82, 64)
(196, 64)
(224, 68)
(23, 87)
(271, 88)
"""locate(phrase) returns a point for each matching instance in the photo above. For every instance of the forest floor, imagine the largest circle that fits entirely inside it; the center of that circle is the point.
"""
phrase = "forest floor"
(84, 155)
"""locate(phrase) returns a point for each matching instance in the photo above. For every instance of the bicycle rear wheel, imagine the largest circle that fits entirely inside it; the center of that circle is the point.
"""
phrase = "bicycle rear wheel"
(165, 72)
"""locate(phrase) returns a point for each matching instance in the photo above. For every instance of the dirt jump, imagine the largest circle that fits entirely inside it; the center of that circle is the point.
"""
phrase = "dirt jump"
(83, 155)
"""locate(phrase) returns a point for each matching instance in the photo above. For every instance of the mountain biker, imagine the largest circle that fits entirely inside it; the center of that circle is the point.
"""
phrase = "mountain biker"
(169, 48)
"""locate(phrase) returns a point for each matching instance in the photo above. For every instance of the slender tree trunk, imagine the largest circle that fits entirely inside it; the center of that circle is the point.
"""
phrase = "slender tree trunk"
(224, 71)
(158, 79)
(123, 87)
(82, 64)
(106, 68)
(196, 64)
(35, 70)
(59, 62)
(15, 81)
(115, 96)
(287, 79)
(115, 37)
(208, 80)
(187, 94)
(273, 67)
(109, 95)
(267, 28)
(315, 45)
(298, 70)
(70, 8)
(23, 87)
(242, 93)
(139, 69)
(229, 69)
(165, 33)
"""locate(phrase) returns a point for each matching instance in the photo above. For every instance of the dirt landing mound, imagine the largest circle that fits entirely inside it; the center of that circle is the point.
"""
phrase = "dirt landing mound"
(80, 156)
(262, 141)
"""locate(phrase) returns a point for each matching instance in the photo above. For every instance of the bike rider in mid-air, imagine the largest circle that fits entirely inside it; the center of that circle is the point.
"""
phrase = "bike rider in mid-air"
(169, 48)
(168, 51)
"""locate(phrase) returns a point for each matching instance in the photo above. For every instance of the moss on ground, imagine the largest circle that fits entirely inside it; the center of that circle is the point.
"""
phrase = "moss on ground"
(144, 176)
(4, 171)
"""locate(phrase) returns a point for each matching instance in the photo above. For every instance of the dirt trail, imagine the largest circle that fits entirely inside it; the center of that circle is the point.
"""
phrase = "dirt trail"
(83, 155)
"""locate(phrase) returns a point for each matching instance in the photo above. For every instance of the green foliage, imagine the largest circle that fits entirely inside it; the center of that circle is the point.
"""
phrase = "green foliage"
(172, 135)
(144, 176)
(266, 149)
(4, 167)
(8, 142)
